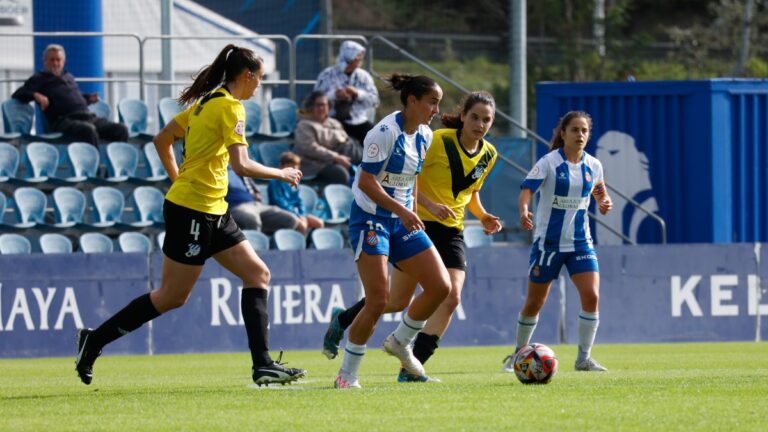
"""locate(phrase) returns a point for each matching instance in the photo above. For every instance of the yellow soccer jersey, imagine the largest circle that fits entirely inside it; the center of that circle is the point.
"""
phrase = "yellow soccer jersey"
(450, 175)
(211, 125)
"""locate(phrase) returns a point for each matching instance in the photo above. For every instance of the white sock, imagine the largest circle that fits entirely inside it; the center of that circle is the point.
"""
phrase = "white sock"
(353, 356)
(407, 330)
(525, 327)
(588, 322)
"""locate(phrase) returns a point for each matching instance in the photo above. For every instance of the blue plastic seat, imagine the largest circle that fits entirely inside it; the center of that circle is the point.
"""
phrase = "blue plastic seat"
(101, 109)
(327, 238)
(339, 198)
(123, 161)
(108, 204)
(134, 242)
(258, 240)
(43, 160)
(474, 236)
(84, 159)
(160, 239)
(167, 108)
(17, 118)
(289, 239)
(9, 161)
(308, 196)
(69, 205)
(252, 117)
(11, 244)
(3, 203)
(96, 243)
(282, 116)
(52, 243)
(149, 206)
(270, 152)
(30, 206)
(157, 171)
(133, 114)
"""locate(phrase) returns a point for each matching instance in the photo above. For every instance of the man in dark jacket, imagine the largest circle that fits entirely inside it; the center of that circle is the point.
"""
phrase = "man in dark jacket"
(64, 106)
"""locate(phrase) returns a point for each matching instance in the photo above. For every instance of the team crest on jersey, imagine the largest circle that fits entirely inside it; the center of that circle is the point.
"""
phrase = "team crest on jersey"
(587, 177)
(371, 238)
(477, 172)
(534, 171)
(536, 271)
(373, 150)
(240, 128)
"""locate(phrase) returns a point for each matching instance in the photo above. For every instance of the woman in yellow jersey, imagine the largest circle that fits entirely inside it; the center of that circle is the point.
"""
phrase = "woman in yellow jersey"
(198, 223)
(455, 167)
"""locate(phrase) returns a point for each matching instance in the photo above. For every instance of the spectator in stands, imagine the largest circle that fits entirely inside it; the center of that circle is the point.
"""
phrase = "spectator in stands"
(350, 89)
(287, 197)
(250, 212)
(198, 225)
(565, 178)
(326, 150)
(384, 227)
(64, 106)
(444, 193)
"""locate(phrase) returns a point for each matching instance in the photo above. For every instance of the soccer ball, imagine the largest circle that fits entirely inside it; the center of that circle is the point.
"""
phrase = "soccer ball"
(535, 364)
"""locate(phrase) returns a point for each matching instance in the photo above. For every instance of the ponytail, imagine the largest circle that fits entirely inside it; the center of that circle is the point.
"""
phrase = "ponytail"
(416, 85)
(230, 62)
(453, 120)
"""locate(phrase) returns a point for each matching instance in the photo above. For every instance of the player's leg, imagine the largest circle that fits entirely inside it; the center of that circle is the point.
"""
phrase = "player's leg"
(585, 275)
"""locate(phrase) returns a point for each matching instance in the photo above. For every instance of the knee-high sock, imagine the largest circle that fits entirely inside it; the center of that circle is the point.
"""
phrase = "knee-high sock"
(424, 346)
(346, 317)
(407, 329)
(128, 319)
(525, 327)
(256, 319)
(588, 323)
(353, 356)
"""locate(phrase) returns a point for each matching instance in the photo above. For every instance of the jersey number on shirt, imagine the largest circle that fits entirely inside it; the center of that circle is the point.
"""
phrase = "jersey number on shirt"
(194, 230)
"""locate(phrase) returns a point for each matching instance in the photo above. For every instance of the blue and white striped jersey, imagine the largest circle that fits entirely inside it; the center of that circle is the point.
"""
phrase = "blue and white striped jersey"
(395, 159)
(562, 222)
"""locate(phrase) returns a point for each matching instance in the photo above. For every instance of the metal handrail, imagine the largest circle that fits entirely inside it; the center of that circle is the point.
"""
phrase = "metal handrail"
(292, 72)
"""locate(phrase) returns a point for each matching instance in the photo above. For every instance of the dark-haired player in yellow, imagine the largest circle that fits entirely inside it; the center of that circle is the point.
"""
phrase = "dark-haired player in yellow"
(455, 167)
(198, 222)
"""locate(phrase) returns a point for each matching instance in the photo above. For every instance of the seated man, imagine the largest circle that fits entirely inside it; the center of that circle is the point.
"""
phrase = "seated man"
(63, 105)
(249, 212)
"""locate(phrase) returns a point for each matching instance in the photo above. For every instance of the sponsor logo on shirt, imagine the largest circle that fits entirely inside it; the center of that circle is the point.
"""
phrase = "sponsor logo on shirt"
(586, 257)
(569, 203)
(398, 180)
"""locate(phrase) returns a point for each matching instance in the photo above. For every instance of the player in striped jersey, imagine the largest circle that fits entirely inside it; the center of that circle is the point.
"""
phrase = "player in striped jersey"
(384, 226)
(565, 178)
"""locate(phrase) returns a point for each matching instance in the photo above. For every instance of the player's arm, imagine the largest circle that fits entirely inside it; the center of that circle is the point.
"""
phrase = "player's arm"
(523, 201)
(164, 145)
(491, 223)
(244, 166)
(372, 188)
(604, 202)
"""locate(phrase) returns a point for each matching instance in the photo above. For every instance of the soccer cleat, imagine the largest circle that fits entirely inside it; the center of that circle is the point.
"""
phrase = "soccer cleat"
(276, 373)
(409, 362)
(85, 356)
(590, 365)
(346, 381)
(405, 377)
(509, 363)
(333, 335)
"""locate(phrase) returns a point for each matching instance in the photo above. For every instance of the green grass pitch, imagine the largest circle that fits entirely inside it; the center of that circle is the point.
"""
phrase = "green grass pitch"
(661, 387)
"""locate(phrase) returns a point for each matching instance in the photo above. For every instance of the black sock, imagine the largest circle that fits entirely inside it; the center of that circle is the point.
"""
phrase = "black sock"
(131, 317)
(254, 308)
(424, 346)
(346, 317)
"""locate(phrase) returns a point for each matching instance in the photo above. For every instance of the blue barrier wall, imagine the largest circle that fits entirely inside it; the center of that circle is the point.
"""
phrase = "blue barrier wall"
(649, 293)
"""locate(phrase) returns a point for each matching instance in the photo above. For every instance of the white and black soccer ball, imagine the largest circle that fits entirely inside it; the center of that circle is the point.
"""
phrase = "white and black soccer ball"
(535, 364)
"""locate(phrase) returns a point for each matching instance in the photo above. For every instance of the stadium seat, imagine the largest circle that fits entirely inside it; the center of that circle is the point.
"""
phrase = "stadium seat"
(339, 198)
(157, 171)
(52, 243)
(14, 244)
(84, 159)
(289, 239)
(264, 192)
(123, 161)
(17, 118)
(3, 203)
(308, 196)
(167, 108)
(43, 159)
(134, 242)
(270, 152)
(252, 118)
(327, 238)
(474, 236)
(282, 116)
(30, 206)
(101, 109)
(149, 206)
(9, 161)
(133, 114)
(108, 204)
(160, 239)
(95, 243)
(69, 205)
(258, 240)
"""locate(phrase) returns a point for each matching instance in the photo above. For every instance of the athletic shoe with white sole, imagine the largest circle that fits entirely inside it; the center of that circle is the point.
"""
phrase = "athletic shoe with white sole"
(86, 356)
(409, 362)
(405, 377)
(590, 365)
(276, 373)
(346, 381)
(333, 335)
(509, 363)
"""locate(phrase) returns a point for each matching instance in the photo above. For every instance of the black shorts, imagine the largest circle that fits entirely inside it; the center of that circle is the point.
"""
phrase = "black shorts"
(191, 237)
(449, 243)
